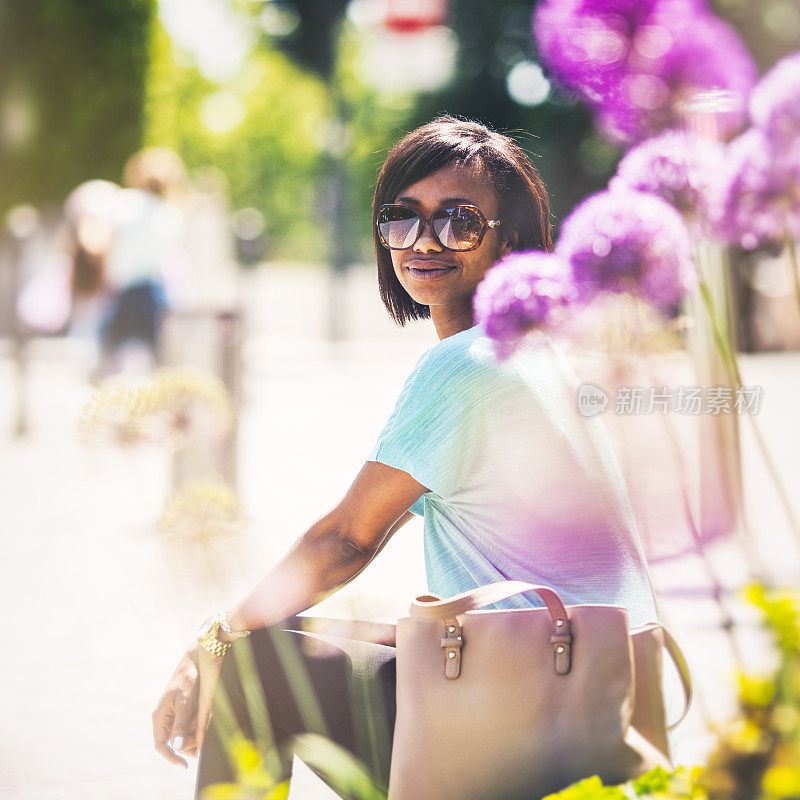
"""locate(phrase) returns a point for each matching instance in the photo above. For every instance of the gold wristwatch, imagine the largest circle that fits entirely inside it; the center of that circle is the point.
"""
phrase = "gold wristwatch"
(208, 634)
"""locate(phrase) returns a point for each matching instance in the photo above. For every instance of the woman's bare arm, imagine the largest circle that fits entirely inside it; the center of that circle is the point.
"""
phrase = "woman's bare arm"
(334, 549)
(328, 555)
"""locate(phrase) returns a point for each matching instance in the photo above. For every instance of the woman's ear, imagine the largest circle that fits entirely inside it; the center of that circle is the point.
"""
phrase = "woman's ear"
(510, 240)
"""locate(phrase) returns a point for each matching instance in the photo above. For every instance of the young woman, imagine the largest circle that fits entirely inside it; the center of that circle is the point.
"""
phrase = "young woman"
(512, 482)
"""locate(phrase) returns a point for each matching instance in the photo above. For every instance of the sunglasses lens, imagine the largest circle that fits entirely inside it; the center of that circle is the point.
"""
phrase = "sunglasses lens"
(398, 227)
(458, 228)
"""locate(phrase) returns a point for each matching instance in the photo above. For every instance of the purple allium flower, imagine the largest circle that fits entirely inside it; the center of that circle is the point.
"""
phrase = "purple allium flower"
(626, 241)
(686, 170)
(703, 56)
(761, 202)
(775, 102)
(636, 63)
(523, 291)
(583, 50)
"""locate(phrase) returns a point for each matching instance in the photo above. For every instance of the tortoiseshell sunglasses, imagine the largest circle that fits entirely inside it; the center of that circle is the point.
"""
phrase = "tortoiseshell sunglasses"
(458, 227)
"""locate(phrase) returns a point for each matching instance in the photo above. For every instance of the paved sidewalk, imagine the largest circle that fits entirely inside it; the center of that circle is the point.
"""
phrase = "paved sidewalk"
(101, 604)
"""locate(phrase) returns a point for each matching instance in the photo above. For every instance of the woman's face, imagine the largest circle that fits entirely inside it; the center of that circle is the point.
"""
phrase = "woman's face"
(432, 275)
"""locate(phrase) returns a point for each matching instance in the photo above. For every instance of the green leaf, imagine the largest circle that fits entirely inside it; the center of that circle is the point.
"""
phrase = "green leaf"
(657, 780)
(589, 789)
(344, 773)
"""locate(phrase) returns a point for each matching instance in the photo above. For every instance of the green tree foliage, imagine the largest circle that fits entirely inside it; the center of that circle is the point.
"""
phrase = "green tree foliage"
(375, 121)
(274, 159)
(72, 77)
(269, 155)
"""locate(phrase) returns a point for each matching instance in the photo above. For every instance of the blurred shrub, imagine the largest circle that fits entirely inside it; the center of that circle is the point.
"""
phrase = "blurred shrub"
(758, 755)
(202, 510)
(173, 405)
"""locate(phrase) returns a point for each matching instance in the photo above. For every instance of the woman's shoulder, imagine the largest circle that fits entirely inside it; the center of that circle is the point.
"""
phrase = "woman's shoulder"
(462, 358)
(472, 355)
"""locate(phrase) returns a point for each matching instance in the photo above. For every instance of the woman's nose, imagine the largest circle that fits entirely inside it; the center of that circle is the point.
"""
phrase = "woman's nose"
(426, 241)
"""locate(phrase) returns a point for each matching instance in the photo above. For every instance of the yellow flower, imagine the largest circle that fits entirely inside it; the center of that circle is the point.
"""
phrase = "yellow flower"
(781, 782)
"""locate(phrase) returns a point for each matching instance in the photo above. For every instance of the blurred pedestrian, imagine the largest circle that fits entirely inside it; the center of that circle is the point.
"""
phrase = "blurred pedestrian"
(146, 247)
(69, 292)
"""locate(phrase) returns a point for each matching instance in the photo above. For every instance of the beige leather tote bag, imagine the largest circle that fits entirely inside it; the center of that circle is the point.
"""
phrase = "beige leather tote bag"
(516, 704)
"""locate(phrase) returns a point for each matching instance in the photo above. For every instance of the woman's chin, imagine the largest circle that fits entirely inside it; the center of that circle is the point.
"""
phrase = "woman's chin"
(426, 298)
(427, 295)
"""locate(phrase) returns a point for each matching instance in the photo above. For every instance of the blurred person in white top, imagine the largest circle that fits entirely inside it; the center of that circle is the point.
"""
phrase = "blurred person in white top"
(144, 263)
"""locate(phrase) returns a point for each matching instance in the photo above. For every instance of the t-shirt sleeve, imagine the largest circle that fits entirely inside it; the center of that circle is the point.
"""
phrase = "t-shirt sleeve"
(419, 507)
(434, 430)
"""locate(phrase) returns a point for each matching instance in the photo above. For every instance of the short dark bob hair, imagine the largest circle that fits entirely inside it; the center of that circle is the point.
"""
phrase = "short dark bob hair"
(448, 140)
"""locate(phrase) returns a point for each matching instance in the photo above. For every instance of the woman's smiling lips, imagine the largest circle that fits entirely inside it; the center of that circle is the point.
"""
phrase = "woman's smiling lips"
(427, 269)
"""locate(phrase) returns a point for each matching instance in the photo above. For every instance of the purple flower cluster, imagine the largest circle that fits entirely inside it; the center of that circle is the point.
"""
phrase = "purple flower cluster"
(686, 170)
(523, 291)
(626, 241)
(616, 241)
(775, 102)
(762, 197)
(638, 62)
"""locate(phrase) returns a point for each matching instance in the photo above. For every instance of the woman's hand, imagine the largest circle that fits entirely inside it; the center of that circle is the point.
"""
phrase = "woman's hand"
(182, 713)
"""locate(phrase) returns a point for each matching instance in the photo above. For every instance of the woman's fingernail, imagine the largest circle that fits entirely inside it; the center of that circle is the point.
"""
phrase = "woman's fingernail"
(177, 743)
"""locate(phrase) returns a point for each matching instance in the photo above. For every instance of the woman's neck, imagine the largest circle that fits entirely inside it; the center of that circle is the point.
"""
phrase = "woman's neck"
(448, 320)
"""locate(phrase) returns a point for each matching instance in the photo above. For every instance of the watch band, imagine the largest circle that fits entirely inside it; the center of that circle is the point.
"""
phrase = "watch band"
(223, 623)
(213, 645)
(208, 635)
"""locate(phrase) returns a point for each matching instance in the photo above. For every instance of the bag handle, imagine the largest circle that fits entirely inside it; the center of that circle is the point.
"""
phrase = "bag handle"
(682, 667)
(430, 608)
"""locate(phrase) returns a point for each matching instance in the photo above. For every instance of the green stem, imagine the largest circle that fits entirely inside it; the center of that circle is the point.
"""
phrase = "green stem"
(722, 342)
(794, 259)
(729, 357)
(717, 590)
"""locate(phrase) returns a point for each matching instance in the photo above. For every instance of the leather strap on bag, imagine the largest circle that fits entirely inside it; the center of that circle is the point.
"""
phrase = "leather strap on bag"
(430, 607)
(679, 660)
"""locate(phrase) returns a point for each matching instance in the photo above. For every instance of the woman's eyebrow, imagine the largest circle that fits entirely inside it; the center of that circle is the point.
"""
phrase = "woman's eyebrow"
(446, 201)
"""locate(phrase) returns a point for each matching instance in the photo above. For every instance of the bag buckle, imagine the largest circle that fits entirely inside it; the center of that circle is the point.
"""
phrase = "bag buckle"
(452, 643)
(561, 639)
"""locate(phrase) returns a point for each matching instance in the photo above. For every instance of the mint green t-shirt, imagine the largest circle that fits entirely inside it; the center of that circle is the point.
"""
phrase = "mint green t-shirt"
(521, 485)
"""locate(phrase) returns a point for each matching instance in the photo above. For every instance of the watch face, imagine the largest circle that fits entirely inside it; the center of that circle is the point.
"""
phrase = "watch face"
(207, 626)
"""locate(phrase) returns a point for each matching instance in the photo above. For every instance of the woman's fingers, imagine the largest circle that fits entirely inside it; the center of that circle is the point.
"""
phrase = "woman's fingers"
(185, 708)
(189, 738)
(165, 751)
(173, 728)
(162, 726)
